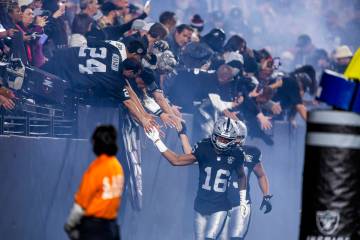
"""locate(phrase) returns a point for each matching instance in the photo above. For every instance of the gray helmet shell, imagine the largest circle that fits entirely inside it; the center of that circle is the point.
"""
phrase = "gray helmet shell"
(226, 128)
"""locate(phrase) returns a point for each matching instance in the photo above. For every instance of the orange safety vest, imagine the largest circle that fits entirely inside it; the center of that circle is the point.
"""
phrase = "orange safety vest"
(101, 188)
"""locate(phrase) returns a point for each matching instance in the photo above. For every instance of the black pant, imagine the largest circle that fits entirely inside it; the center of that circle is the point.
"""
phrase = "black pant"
(99, 229)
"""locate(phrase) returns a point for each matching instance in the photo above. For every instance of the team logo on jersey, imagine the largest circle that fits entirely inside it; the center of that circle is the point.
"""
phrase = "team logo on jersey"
(248, 158)
(327, 221)
(230, 159)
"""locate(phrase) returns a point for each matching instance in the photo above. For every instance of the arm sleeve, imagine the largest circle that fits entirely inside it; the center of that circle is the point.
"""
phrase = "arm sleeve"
(196, 150)
(250, 106)
(219, 104)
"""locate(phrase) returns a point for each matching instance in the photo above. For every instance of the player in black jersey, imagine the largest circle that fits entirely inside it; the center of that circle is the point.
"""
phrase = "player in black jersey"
(217, 158)
(96, 71)
(238, 221)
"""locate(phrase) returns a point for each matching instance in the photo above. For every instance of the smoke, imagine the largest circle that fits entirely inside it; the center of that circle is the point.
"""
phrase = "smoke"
(275, 24)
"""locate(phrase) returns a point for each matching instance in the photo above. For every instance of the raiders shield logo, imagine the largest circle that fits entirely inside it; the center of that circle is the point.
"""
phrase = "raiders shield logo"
(230, 159)
(327, 222)
(248, 158)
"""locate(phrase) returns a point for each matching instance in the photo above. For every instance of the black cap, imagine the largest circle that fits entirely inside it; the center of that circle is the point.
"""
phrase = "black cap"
(215, 39)
(148, 76)
(132, 64)
(137, 47)
(107, 7)
(196, 54)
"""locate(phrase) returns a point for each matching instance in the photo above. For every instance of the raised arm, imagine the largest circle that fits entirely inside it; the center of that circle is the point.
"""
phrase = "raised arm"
(172, 157)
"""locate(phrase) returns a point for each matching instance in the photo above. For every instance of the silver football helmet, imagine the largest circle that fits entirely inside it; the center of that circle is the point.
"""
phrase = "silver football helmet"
(242, 132)
(224, 134)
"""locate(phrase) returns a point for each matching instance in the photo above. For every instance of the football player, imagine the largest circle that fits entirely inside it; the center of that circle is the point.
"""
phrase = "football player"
(96, 72)
(217, 158)
(238, 221)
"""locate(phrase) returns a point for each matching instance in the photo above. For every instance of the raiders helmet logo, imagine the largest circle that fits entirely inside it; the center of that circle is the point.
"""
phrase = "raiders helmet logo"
(327, 222)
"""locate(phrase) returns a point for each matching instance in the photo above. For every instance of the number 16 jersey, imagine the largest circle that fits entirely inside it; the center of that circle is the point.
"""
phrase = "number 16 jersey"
(215, 169)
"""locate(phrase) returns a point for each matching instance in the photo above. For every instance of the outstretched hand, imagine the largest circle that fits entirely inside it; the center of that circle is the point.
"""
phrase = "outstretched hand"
(153, 134)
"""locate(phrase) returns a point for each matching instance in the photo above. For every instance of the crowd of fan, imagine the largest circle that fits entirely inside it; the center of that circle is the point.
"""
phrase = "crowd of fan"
(205, 74)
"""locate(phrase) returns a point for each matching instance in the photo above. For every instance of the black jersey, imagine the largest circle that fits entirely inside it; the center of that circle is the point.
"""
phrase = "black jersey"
(96, 70)
(215, 170)
(252, 157)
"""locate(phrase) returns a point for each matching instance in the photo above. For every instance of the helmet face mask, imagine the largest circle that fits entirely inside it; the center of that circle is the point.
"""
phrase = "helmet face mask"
(242, 133)
(224, 134)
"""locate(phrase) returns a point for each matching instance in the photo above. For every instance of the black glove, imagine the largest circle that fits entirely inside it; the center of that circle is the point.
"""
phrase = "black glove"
(73, 233)
(266, 203)
(183, 129)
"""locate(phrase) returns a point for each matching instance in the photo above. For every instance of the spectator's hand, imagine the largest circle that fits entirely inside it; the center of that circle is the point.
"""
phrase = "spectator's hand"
(147, 8)
(276, 108)
(11, 31)
(7, 103)
(232, 115)
(41, 21)
(148, 122)
(59, 12)
(279, 82)
(176, 111)
(167, 120)
(7, 93)
(26, 37)
(264, 121)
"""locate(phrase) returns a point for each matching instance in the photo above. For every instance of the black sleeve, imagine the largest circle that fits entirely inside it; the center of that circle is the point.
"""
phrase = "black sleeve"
(250, 106)
(121, 94)
(294, 92)
(240, 157)
(196, 150)
(255, 154)
(152, 87)
(116, 32)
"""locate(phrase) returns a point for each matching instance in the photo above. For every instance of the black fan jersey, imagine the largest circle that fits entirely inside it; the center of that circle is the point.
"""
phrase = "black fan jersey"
(252, 157)
(215, 170)
(96, 69)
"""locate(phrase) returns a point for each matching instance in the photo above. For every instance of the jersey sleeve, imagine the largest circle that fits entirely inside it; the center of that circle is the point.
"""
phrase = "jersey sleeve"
(240, 157)
(257, 155)
(152, 87)
(196, 150)
(120, 93)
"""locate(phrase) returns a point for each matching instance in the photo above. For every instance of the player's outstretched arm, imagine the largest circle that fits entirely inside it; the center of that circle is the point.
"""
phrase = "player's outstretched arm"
(264, 186)
(173, 158)
(184, 139)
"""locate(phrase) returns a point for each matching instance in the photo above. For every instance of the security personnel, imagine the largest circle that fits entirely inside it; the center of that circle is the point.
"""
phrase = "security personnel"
(97, 201)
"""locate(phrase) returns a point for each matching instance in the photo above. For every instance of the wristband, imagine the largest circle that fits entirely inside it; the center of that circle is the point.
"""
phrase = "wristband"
(183, 129)
(160, 145)
(242, 195)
